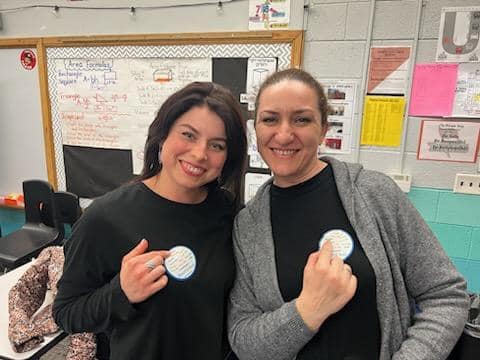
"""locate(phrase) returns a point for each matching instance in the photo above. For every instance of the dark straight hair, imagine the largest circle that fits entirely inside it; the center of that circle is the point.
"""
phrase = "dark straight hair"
(303, 77)
(219, 100)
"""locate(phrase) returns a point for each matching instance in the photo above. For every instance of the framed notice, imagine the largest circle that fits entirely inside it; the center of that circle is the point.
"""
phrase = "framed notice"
(448, 141)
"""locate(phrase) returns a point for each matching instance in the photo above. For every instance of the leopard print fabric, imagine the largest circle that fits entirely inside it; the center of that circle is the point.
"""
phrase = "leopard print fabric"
(26, 327)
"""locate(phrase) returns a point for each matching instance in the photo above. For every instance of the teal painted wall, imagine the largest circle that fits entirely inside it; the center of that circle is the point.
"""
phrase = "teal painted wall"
(11, 219)
(454, 218)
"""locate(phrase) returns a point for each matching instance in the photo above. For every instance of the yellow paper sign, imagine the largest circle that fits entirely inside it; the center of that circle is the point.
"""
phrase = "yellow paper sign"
(382, 120)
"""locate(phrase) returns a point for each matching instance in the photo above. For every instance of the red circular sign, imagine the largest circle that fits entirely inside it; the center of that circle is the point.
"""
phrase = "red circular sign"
(28, 59)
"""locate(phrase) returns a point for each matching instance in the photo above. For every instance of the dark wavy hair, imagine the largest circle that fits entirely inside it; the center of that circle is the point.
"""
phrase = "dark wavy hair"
(220, 101)
(305, 78)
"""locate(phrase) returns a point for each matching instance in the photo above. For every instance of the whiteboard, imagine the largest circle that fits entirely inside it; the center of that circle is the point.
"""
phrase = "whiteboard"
(22, 150)
(82, 78)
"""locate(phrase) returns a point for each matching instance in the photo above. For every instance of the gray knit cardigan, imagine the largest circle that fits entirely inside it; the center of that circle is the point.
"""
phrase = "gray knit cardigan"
(409, 264)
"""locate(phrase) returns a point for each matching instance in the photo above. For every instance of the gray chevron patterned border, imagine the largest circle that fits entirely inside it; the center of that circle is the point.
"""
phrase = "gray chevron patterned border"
(56, 125)
(281, 51)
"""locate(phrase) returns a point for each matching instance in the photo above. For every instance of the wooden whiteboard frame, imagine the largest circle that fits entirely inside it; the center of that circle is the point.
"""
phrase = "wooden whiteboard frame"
(292, 37)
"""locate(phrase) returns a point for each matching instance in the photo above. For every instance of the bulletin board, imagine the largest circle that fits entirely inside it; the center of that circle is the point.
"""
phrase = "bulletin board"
(102, 93)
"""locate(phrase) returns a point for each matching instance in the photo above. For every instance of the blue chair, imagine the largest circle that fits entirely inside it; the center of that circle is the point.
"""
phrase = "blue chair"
(41, 228)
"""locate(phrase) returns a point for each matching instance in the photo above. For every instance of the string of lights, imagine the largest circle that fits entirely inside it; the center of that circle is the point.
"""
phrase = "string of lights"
(131, 9)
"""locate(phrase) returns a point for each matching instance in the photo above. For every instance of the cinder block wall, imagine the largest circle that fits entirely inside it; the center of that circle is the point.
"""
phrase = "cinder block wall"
(336, 48)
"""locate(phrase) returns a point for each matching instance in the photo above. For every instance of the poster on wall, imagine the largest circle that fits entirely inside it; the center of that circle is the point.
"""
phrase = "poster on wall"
(459, 35)
(252, 182)
(258, 69)
(254, 159)
(433, 89)
(341, 98)
(467, 92)
(388, 70)
(448, 141)
(382, 120)
(268, 14)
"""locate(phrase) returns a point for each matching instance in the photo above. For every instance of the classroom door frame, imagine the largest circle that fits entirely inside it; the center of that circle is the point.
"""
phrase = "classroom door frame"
(38, 44)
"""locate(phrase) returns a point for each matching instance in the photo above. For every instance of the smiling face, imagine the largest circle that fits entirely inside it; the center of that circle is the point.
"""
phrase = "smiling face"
(192, 155)
(289, 130)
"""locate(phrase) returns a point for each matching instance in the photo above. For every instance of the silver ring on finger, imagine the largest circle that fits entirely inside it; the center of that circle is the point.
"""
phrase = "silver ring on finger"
(150, 264)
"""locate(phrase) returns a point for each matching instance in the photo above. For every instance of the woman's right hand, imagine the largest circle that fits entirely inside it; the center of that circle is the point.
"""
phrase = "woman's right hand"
(142, 273)
(328, 284)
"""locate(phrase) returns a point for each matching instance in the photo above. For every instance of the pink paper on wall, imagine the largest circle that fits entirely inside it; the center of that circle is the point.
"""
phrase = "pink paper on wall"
(433, 89)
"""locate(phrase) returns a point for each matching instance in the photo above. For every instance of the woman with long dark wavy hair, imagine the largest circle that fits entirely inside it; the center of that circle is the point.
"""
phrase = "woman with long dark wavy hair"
(151, 263)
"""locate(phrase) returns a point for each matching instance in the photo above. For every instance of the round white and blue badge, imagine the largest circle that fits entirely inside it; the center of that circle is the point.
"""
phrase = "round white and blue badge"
(181, 263)
(341, 241)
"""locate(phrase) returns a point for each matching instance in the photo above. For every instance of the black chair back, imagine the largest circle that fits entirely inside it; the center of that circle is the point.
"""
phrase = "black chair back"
(40, 203)
(68, 207)
(41, 229)
(68, 211)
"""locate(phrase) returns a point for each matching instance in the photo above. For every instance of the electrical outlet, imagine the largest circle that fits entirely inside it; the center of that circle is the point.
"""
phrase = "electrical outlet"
(403, 181)
(467, 184)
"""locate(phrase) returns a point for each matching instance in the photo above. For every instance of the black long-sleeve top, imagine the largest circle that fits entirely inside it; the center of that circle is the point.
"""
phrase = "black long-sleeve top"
(301, 214)
(186, 319)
